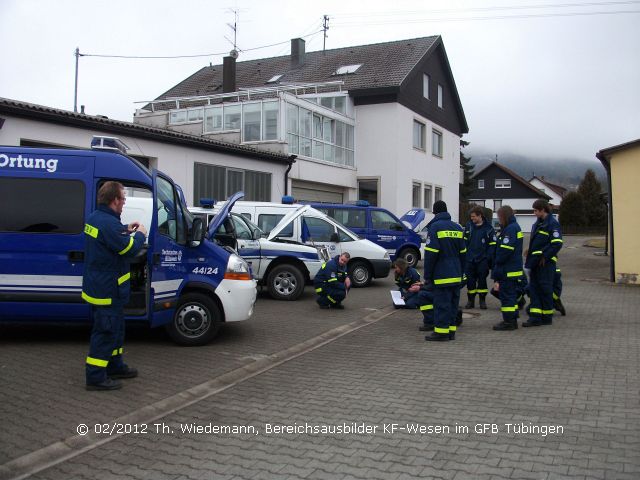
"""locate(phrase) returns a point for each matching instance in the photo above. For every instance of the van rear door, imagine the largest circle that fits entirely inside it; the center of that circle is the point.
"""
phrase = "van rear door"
(45, 197)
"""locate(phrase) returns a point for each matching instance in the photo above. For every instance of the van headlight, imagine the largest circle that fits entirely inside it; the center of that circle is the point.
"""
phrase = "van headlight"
(386, 256)
(237, 269)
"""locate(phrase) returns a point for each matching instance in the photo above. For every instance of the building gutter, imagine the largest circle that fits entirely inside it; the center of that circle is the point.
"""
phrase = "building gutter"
(612, 259)
(292, 160)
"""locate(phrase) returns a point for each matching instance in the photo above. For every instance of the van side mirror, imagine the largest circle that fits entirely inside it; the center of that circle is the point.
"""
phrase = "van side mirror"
(397, 227)
(257, 234)
(334, 238)
(196, 234)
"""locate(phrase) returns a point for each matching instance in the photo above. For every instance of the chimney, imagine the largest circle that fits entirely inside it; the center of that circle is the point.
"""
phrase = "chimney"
(229, 74)
(297, 52)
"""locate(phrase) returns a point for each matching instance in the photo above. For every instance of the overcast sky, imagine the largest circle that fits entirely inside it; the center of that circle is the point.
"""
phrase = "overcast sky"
(565, 83)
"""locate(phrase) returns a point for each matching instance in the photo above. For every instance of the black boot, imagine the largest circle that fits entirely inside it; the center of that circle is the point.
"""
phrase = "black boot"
(532, 323)
(557, 304)
(437, 337)
(483, 303)
(506, 326)
(471, 303)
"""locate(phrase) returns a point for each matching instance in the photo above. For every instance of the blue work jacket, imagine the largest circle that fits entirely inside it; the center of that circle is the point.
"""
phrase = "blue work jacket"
(508, 258)
(405, 281)
(331, 274)
(480, 241)
(444, 253)
(107, 253)
(545, 241)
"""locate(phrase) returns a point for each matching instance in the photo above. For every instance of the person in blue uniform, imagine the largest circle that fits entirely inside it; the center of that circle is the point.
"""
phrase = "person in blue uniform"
(109, 246)
(414, 292)
(444, 260)
(557, 291)
(507, 270)
(480, 238)
(541, 258)
(332, 283)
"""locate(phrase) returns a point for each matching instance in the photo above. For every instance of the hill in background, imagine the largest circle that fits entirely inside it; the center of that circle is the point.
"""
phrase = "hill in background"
(566, 172)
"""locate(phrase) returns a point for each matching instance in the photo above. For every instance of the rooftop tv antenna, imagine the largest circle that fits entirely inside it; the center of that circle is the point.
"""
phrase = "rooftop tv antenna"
(234, 26)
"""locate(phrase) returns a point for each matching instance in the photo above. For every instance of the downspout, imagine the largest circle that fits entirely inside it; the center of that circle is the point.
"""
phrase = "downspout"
(292, 160)
(612, 259)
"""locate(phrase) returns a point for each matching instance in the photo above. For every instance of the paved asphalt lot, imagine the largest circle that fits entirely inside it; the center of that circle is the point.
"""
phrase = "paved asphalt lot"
(365, 367)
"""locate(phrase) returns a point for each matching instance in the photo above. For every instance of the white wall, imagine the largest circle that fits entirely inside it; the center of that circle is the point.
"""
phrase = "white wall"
(384, 148)
(555, 198)
(175, 160)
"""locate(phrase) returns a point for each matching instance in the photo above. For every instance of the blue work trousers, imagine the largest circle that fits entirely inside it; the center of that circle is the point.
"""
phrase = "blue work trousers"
(477, 273)
(541, 292)
(106, 346)
(330, 295)
(422, 300)
(445, 303)
(509, 293)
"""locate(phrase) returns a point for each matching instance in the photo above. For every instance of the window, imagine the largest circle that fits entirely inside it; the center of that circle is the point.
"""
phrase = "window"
(23, 205)
(383, 221)
(415, 195)
(213, 119)
(275, 78)
(319, 230)
(270, 121)
(317, 136)
(212, 181)
(440, 96)
(368, 190)
(344, 236)
(349, 217)
(418, 135)
(232, 117)
(190, 115)
(425, 86)
(436, 143)
(503, 183)
(438, 194)
(480, 184)
(266, 222)
(242, 230)
(167, 223)
(496, 205)
(427, 197)
(347, 69)
(251, 122)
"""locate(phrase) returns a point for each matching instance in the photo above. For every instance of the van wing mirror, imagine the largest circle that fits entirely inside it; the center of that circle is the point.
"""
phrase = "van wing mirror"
(196, 234)
(257, 234)
(334, 238)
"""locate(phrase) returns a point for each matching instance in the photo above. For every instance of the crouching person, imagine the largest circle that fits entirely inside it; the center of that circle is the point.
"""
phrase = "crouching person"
(332, 282)
(414, 292)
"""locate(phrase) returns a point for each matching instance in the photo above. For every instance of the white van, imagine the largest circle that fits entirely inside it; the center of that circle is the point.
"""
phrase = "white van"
(284, 267)
(302, 223)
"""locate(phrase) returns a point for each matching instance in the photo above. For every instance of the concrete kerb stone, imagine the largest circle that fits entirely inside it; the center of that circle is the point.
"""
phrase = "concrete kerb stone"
(58, 452)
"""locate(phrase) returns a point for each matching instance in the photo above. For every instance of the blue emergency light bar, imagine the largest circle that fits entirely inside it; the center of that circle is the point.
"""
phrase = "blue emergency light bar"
(207, 202)
(108, 143)
(288, 200)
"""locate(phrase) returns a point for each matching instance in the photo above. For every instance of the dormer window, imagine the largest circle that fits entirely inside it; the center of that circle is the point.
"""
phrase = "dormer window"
(275, 78)
(347, 69)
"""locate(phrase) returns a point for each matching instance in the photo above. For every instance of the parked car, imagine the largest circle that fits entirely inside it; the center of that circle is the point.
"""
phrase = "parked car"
(283, 267)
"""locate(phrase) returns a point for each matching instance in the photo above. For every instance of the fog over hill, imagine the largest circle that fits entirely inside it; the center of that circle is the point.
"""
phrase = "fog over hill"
(567, 172)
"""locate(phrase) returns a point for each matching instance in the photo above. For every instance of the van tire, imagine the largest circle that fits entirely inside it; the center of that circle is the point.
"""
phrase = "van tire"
(196, 322)
(360, 273)
(411, 255)
(285, 282)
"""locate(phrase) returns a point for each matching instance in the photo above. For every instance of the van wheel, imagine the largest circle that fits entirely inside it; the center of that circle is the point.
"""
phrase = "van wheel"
(285, 282)
(411, 255)
(196, 322)
(360, 273)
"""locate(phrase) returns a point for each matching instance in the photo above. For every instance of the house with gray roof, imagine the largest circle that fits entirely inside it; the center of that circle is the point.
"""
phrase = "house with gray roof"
(378, 122)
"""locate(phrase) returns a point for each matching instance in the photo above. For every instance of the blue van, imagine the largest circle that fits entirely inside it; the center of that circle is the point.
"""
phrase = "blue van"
(377, 225)
(180, 279)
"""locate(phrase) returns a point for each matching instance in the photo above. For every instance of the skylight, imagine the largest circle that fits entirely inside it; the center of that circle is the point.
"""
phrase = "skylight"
(275, 78)
(346, 69)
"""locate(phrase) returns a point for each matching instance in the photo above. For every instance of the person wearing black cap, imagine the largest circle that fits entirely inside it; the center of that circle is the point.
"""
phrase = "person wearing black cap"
(444, 260)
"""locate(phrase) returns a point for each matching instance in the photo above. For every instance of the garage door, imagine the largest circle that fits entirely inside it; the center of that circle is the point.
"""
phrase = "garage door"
(316, 193)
